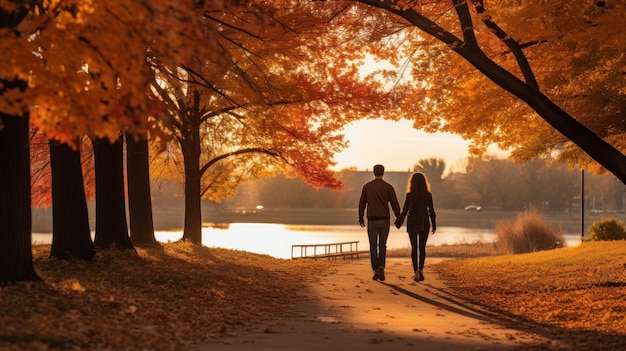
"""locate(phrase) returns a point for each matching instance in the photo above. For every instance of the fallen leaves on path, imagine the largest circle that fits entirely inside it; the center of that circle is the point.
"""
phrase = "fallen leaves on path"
(155, 299)
(576, 296)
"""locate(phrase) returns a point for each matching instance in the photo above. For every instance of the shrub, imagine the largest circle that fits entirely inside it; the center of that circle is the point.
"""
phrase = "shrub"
(528, 233)
(607, 229)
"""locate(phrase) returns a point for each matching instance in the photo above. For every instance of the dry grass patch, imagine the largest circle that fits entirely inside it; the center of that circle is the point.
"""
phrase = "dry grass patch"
(529, 232)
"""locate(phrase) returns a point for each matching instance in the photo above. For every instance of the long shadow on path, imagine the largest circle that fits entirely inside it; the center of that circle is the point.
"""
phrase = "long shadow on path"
(462, 309)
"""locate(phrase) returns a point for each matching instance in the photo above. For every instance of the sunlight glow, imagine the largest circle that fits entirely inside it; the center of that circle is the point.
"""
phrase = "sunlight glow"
(399, 146)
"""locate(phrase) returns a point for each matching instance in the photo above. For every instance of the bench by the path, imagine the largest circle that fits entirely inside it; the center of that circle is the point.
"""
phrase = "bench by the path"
(331, 251)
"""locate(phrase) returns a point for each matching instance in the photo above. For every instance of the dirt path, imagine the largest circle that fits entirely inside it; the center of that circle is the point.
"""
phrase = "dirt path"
(347, 310)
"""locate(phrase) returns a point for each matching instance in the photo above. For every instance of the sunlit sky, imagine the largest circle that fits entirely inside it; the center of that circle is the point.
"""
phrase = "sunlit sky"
(398, 146)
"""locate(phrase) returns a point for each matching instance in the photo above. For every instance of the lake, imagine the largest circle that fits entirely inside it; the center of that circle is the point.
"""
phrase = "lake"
(276, 239)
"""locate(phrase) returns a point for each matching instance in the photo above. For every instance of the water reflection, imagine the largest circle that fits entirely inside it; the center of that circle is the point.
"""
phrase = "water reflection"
(276, 239)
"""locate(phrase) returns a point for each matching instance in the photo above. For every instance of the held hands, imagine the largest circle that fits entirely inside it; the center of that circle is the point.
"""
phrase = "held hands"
(398, 223)
(362, 224)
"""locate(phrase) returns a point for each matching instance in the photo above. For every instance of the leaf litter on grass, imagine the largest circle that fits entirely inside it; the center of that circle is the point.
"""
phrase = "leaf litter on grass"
(575, 295)
(152, 299)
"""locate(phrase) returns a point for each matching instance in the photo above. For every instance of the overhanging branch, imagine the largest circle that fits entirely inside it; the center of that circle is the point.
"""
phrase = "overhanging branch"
(273, 153)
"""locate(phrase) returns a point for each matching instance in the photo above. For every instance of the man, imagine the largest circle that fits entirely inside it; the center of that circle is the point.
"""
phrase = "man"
(377, 195)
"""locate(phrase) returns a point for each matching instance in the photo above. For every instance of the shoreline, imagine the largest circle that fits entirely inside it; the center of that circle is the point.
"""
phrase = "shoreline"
(171, 217)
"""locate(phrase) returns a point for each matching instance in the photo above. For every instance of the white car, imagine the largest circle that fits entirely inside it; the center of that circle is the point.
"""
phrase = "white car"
(472, 208)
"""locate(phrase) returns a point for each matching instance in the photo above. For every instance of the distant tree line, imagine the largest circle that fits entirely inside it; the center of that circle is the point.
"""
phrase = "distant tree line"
(489, 182)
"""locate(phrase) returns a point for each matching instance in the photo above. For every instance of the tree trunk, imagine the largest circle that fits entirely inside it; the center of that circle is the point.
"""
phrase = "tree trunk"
(190, 145)
(71, 236)
(111, 225)
(139, 200)
(193, 213)
(16, 257)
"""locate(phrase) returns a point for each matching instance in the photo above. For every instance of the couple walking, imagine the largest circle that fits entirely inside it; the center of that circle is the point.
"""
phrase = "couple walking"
(376, 197)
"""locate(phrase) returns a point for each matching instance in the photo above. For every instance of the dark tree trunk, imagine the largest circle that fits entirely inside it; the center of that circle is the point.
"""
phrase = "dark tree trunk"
(193, 211)
(111, 225)
(71, 236)
(139, 199)
(16, 257)
(190, 145)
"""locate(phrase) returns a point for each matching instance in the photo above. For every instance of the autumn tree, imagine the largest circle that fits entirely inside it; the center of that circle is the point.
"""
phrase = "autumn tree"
(71, 235)
(506, 175)
(65, 61)
(111, 226)
(64, 178)
(557, 184)
(531, 177)
(139, 195)
(277, 104)
(478, 181)
(15, 215)
(578, 37)
(606, 193)
(540, 183)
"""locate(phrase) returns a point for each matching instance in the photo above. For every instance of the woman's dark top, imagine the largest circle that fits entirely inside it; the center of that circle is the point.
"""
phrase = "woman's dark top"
(419, 210)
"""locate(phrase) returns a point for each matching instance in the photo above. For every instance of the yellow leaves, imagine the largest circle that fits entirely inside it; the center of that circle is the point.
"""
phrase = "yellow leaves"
(77, 287)
(74, 14)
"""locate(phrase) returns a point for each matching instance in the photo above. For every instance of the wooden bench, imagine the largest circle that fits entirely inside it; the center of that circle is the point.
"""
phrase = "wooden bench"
(347, 249)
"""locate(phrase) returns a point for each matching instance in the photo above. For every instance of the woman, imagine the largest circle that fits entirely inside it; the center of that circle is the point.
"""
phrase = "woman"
(419, 207)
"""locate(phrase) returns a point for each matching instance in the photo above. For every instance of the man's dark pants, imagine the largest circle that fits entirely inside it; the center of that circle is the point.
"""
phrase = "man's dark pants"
(378, 232)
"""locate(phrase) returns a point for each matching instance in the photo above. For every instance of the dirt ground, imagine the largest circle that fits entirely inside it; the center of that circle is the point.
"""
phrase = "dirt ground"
(345, 309)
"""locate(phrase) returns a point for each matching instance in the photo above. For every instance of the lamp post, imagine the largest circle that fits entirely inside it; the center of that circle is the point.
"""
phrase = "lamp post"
(582, 204)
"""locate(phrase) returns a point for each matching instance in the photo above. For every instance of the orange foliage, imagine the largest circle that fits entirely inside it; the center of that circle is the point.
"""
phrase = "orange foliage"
(292, 82)
(91, 65)
(575, 56)
(86, 62)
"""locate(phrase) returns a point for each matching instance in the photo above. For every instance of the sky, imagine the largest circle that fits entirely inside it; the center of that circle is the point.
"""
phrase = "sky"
(398, 146)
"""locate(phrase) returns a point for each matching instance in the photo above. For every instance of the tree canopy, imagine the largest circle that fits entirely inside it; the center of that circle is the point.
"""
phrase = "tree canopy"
(86, 61)
(552, 57)
(572, 50)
